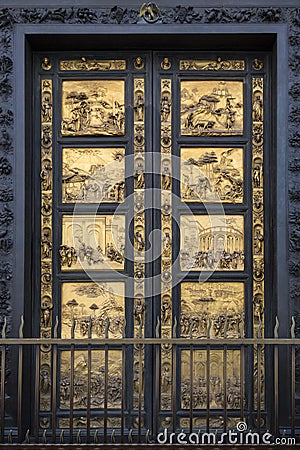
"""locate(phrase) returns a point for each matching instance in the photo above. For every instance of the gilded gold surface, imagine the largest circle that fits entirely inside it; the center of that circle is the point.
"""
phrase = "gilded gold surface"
(211, 174)
(92, 107)
(214, 65)
(95, 302)
(211, 108)
(212, 242)
(215, 422)
(217, 306)
(46, 188)
(97, 395)
(216, 380)
(92, 242)
(93, 64)
(166, 114)
(139, 235)
(258, 229)
(93, 175)
(95, 422)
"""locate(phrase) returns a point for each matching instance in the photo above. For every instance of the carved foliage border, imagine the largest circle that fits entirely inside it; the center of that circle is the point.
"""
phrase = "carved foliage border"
(121, 15)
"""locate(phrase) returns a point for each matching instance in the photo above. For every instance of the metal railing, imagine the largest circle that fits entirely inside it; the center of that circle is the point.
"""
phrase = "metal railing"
(95, 425)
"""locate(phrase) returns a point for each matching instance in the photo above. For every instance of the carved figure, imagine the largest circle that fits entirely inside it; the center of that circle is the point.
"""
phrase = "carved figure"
(257, 109)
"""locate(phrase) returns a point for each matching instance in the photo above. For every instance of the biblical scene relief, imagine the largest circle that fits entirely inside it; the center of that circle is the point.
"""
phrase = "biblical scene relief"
(217, 307)
(212, 174)
(212, 242)
(211, 107)
(92, 175)
(95, 306)
(215, 381)
(93, 107)
(92, 242)
(113, 389)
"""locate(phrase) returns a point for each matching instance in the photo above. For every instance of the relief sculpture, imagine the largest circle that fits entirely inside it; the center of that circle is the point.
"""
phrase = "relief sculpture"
(212, 174)
(98, 388)
(92, 304)
(218, 306)
(93, 175)
(212, 242)
(92, 107)
(215, 380)
(211, 108)
(92, 243)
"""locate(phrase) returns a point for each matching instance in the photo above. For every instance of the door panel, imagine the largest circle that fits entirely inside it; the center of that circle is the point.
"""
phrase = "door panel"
(152, 225)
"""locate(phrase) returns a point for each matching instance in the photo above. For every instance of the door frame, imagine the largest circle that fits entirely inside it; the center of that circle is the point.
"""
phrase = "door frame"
(29, 38)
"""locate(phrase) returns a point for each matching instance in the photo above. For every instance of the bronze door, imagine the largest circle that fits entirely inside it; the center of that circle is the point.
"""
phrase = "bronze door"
(152, 226)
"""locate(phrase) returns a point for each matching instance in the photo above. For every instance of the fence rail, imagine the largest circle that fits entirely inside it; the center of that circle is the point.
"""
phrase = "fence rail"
(127, 424)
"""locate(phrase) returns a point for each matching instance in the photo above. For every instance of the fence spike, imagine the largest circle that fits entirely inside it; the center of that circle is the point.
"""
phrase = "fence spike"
(157, 327)
(4, 328)
(276, 328)
(55, 331)
(61, 437)
(148, 436)
(10, 437)
(27, 439)
(293, 327)
(208, 328)
(78, 438)
(225, 326)
(112, 438)
(130, 436)
(73, 328)
(174, 327)
(44, 438)
(90, 328)
(96, 437)
(107, 328)
(21, 334)
(124, 328)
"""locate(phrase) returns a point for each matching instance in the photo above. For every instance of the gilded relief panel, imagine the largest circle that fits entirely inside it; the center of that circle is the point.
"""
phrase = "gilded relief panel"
(96, 305)
(210, 174)
(217, 307)
(211, 108)
(93, 107)
(93, 175)
(212, 65)
(215, 380)
(92, 242)
(97, 395)
(101, 65)
(212, 242)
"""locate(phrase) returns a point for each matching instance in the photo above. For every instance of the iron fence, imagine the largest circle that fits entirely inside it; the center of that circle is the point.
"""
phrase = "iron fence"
(124, 425)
